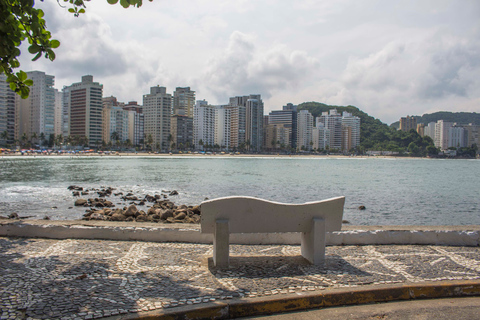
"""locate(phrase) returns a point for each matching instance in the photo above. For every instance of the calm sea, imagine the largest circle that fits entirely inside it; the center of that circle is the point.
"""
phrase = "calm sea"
(394, 191)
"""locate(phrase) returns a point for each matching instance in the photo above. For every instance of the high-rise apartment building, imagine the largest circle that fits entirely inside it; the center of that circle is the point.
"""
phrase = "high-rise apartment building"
(222, 126)
(203, 124)
(157, 110)
(277, 136)
(7, 111)
(116, 121)
(36, 114)
(457, 137)
(84, 100)
(254, 123)
(332, 121)
(407, 123)
(288, 117)
(350, 131)
(320, 136)
(304, 130)
(58, 112)
(183, 101)
(182, 131)
(473, 135)
(429, 130)
(441, 134)
(135, 123)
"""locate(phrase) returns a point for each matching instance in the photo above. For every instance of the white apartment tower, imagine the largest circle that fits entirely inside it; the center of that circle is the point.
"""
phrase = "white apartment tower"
(304, 130)
(332, 121)
(222, 127)
(441, 134)
(58, 112)
(203, 124)
(36, 114)
(84, 100)
(7, 111)
(320, 136)
(254, 123)
(157, 110)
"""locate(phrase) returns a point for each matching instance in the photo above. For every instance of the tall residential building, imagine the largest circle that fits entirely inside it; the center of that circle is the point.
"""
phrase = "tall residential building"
(36, 114)
(332, 121)
(222, 126)
(287, 117)
(65, 111)
(320, 137)
(58, 112)
(350, 131)
(421, 129)
(429, 130)
(277, 136)
(7, 111)
(247, 121)
(441, 134)
(182, 131)
(85, 110)
(203, 124)
(473, 135)
(135, 123)
(304, 130)
(157, 110)
(183, 101)
(457, 137)
(116, 121)
(407, 123)
(254, 123)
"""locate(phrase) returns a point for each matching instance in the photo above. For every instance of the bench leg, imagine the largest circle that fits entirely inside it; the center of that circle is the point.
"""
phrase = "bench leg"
(313, 242)
(221, 242)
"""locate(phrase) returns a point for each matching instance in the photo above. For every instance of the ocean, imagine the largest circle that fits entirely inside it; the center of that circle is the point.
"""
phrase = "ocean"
(394, 191)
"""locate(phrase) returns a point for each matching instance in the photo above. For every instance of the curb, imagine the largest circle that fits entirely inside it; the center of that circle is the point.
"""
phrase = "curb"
(296, 302)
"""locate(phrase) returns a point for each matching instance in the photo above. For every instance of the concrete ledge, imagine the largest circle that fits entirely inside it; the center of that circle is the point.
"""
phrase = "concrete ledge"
(329, 298)
(351, 235)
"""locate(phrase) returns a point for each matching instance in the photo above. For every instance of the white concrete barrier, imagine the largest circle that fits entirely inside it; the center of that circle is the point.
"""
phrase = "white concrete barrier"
(191, 234)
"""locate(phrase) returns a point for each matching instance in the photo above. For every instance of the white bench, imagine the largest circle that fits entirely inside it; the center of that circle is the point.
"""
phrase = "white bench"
(223, 216)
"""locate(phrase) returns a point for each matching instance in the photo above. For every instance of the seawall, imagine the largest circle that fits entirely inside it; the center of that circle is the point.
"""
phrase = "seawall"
(188, 233)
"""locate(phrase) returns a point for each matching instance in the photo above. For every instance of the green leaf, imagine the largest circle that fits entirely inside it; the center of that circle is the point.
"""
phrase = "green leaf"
(13, 86)
(71, 10)
(112, 1)
(51, 54)
(22, 75)
(81, 11)
(124, 3)
(24, 92)
(55, 43)
(28, 82)
(37, 56)
(33, 48)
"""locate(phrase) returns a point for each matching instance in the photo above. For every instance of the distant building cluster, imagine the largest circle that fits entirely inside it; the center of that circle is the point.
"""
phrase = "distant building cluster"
(80, 115)
(444, 134)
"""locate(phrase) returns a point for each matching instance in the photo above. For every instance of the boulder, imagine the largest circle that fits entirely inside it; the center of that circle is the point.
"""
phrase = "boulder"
(173, 193)
(80, 202)
(131, 211)
(180, 215)
(13, 215)
(362, 208)
(118, 217)
(141, 218)
(166, 214)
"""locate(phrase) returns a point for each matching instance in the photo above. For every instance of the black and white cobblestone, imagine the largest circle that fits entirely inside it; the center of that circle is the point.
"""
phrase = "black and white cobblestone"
(91, 279)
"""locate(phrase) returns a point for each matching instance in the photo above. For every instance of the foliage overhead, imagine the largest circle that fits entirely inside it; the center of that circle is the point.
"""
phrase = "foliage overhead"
(376, 135)
(458, 117)
(20, 20)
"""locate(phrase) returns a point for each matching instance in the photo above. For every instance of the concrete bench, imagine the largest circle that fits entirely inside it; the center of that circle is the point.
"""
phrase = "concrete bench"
(227, 215)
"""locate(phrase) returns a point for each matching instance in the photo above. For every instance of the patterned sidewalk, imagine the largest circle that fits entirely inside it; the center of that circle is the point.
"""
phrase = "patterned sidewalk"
(89, 279)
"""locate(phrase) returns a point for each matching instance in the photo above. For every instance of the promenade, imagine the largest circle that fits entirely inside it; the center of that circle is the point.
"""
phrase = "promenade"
(93, 279)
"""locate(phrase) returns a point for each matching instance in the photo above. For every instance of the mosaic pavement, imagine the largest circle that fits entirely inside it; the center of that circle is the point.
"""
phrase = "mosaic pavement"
(89, 279)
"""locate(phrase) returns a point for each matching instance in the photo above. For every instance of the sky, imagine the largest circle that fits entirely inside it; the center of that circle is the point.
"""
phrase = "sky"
(388, 58)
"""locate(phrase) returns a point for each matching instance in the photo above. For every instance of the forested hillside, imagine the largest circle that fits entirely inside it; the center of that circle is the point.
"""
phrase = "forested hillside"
(376, 135)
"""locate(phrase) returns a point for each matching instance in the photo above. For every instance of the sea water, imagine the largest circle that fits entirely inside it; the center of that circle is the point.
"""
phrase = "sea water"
(395, 191)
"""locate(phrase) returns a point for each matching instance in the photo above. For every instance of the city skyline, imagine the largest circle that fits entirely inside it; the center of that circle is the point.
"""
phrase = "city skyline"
(387, 59)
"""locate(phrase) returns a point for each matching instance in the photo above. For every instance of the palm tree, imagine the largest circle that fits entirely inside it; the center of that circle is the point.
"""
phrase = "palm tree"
(24, 139)
(42, 138)
(201, 143)
(4, 136)
(59, 140)
(149, 141)
(33, 137)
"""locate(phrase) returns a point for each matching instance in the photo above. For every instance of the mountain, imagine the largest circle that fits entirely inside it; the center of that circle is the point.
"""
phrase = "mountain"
(458, 117)
(376, 135)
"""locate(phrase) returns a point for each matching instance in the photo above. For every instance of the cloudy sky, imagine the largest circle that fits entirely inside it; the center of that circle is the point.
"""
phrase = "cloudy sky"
(389, 58)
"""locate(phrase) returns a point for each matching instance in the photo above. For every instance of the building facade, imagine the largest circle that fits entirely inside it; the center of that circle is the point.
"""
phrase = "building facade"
(203, 124)
(183, 101)
(84, 101)
(408, 123)
(157, 110)
(304, 130)
(7, 111)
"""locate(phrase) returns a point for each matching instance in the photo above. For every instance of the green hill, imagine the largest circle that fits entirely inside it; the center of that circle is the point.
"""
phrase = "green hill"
(458, 117)
(376, 135)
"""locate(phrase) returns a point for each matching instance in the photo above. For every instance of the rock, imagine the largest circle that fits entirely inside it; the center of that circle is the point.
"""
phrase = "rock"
(76, 193)
(151, 211)
(80, 202)
(173, 193)
(131, 211)
(97, 216)
(118, 217)
(196, 209)
(84, 193)
(141, 203)
(13, 215)
(141, 218)
(46, 218)
(362, 208)
(77, 188)
(166, 214)
(180, 215)
(345, 221)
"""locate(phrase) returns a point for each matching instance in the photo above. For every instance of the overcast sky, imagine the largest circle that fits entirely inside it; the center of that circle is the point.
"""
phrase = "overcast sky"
(388, 58)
